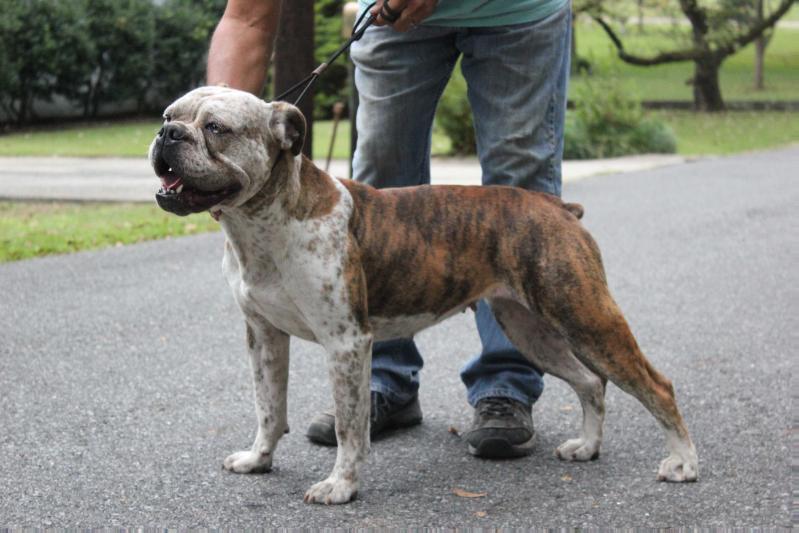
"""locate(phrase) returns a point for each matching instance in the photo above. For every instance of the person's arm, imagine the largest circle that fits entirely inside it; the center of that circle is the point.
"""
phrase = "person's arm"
(242, 44)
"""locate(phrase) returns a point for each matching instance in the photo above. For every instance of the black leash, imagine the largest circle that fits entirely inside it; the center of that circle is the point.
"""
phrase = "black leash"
(310, 79)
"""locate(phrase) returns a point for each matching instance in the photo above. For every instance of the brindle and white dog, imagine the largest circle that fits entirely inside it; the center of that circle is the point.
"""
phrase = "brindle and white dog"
(342, 264)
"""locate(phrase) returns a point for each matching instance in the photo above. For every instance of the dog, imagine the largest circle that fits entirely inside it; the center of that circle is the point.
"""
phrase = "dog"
(343, 264)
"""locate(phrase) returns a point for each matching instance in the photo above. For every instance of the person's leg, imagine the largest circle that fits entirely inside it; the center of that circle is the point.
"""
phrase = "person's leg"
(400, 78)
(517, 78)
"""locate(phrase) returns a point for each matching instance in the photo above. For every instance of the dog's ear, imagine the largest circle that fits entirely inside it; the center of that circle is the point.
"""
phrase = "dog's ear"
(288, 126)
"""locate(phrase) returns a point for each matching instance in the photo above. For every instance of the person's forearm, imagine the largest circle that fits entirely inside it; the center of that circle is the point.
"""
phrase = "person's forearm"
(241, 48)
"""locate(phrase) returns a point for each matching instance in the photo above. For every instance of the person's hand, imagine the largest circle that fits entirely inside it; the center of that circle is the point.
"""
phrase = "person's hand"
(402, 15)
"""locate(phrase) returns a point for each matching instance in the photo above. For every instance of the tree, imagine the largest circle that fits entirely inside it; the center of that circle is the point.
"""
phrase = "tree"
(183, 30)
(44, 47)
(716, 31)
(122, 32)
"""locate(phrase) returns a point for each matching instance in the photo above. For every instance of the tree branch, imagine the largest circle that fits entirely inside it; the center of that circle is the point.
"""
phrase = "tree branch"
(689, 54)
(717, 50)
(754, 32)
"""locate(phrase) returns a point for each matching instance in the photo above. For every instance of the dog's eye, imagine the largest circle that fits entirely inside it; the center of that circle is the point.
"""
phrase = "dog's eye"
(167, 117)
(215, 128)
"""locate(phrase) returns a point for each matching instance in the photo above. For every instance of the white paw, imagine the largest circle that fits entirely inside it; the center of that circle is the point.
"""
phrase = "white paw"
(578, 450)
(331, 491)
(248, 462)
(678, 469)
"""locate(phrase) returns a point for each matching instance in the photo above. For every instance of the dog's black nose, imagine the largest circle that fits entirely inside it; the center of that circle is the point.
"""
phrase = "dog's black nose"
(172, 133)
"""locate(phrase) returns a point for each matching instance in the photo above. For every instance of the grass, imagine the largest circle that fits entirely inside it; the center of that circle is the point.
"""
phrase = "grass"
(132, 139)
(729, 133)
(31, 229)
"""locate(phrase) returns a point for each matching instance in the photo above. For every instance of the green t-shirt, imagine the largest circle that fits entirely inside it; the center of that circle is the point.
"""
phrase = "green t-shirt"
(482, 13)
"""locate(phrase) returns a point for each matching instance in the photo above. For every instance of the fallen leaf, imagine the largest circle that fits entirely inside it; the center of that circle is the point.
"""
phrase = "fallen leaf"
(480, 514)
(566, 477)
(454, 431)
(466, 494)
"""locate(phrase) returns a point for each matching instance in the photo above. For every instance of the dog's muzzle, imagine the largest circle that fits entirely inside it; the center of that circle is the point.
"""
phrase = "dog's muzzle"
(176, 195)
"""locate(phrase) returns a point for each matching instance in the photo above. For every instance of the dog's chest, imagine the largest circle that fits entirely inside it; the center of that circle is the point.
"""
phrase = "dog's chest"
(262, 293)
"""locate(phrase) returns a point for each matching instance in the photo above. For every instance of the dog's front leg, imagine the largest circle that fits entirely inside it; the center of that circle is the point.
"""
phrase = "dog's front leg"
(349, 368)
(269, 358)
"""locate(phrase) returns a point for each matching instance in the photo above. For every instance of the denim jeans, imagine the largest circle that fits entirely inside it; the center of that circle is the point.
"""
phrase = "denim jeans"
(517, 77)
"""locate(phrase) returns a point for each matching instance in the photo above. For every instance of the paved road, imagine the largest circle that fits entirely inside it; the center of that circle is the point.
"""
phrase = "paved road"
(123, 382)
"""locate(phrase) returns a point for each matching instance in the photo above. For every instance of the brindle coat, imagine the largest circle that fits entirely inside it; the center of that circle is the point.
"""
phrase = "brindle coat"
(341, 263)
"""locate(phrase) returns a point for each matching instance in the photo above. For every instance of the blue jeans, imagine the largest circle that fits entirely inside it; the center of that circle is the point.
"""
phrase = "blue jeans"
(517, 77)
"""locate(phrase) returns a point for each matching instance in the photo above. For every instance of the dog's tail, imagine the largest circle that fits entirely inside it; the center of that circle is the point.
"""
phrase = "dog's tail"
(575, 209)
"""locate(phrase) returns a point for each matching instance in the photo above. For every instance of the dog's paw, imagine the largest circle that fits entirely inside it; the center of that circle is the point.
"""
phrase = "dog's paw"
(248, 462)
(578, 450)
(678, 469)
(331, 491)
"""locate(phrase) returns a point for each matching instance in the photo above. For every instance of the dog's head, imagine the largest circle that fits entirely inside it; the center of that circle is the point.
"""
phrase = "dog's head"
(218, 147)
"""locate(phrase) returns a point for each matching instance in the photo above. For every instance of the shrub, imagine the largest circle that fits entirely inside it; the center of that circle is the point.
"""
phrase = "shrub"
(454, 116)
(44, 49)
(606, 122)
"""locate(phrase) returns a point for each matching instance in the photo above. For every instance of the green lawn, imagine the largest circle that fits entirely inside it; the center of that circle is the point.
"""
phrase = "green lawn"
(667, 82)
(722, 133)
(132, 139)
(31, 229)
(729, 133)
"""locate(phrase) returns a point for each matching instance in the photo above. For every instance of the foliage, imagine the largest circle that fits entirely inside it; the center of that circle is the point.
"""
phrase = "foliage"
(123, 33)
(183, 29)
(43, 51)
(454, 116)
(607, 122)
(98, 52)
(332, 87)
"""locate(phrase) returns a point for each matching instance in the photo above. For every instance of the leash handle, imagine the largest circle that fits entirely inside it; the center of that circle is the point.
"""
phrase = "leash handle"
(307, 82)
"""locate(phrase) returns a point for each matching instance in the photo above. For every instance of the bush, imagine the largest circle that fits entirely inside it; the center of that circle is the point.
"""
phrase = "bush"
(101, 52)
(332, 86)
(454, 116)
(44, 49)
(606, 122)
(183, 30)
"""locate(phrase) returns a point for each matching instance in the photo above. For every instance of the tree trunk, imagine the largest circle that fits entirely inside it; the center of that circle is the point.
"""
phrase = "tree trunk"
(760, 53)
(707, 92)
(294, 57)
(760, 50)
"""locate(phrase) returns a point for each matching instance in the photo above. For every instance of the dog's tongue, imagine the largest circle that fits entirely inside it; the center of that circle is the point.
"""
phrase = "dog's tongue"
(171, 182)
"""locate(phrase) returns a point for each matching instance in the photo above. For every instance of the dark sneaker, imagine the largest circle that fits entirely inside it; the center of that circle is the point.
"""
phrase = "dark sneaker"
(385, 416)
(502, 429)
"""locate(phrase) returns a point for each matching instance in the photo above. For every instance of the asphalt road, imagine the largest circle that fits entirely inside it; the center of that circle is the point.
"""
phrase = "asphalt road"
(124, 382)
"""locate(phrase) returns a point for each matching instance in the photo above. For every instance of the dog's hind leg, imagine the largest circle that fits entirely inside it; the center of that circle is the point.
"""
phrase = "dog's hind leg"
(269, 359)
(551, 354)
(600, 336)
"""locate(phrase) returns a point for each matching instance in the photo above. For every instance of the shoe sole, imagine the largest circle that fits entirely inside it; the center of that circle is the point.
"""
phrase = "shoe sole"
(501, 449)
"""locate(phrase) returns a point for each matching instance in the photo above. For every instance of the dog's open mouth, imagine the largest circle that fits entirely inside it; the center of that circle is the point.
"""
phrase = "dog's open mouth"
(181, 199)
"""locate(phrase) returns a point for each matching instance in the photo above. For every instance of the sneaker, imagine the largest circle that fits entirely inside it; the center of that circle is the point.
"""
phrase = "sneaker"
(502, 429)
(385, 416)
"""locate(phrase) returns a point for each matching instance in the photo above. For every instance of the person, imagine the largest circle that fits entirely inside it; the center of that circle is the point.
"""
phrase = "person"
(514, 56)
